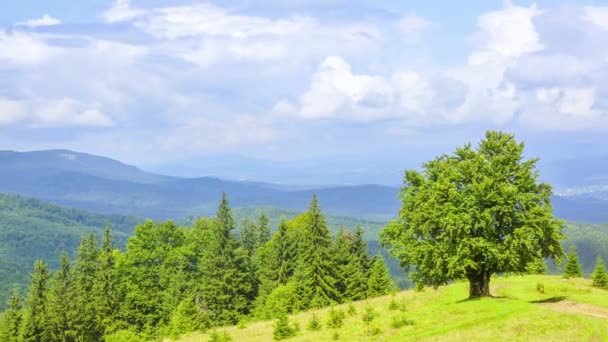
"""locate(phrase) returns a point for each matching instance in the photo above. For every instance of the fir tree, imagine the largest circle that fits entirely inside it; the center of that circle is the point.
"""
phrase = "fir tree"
(599, 276)
(573, 268)
(35, 322)
(355, 282)
(11, 322)
(263, 228)
(318, 272)
(62, 315)
(380, 282)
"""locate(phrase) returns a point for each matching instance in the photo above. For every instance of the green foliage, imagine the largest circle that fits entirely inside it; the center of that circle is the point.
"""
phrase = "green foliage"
(32, 230)
(369, 314)
(282, 300)
(379, 282)
(538, 266)
(35, 322)
(393, 305)
(351, 309)
(63, 317)
(318, 270)
(540, 287)
(336, 318)
(219, 336)
(573, 268)
(283, 329)
(599, 276)
(335, 336)
(11, 322)
(314, 324)
(124, 336)
(474, 213)
(400, 321)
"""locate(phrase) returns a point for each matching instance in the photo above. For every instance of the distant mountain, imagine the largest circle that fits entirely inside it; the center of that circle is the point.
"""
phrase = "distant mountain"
(31, 229)
(104, 185)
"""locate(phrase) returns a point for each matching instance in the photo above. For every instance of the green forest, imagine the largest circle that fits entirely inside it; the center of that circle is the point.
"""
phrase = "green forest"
(172, 280)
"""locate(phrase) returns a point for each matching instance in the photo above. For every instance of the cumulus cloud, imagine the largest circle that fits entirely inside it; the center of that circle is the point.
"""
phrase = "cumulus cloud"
(121, 10)
(25, 49)
(45, 20)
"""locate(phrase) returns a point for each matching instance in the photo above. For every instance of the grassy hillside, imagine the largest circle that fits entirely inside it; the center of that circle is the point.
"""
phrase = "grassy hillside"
(31, 229)
(568, 310)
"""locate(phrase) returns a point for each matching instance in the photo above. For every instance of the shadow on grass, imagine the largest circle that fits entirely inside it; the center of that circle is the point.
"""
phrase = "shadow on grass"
(549, 300)
(467, 300)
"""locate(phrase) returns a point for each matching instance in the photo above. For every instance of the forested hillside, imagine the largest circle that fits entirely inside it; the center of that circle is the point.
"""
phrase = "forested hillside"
(172, 280)
(31, 229)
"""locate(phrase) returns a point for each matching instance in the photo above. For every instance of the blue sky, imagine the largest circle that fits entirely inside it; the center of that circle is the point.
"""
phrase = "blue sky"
(170, 82)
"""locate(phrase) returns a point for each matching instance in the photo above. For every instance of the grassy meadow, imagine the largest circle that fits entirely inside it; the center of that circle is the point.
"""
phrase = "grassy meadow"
(567, 310)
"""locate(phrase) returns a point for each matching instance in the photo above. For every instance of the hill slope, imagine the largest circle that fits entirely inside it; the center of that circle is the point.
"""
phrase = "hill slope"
(31, 229)
(103, 185)
(567, 311)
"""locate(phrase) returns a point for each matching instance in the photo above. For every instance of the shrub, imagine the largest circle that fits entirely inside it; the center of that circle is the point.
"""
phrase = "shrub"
(351, 309)
(540, 287)
(314, 324)
(400, 321)
(219, 337)
(336, 318)
(368, 317)
(393, 305)
(124, 336)
(282, 328)
(335, 336)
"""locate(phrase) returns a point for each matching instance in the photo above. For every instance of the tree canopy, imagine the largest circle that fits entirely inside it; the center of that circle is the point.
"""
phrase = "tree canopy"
(474, 213)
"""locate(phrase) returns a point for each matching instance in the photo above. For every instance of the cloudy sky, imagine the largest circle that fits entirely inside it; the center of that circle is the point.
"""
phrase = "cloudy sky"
(155, 82)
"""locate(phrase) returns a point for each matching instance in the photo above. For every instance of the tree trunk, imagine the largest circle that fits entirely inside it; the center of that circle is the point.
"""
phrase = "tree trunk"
(479, 285)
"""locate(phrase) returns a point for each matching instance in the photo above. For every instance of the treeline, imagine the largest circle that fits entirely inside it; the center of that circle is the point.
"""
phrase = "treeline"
(171, 280)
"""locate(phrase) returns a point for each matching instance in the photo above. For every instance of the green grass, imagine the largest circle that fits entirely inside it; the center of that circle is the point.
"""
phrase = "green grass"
(445, 314)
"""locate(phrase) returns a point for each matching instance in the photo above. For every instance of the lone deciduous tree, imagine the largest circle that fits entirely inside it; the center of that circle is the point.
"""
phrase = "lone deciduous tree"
(474, 213)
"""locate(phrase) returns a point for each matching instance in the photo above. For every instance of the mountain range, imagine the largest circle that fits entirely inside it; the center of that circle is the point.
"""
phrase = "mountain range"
(105, 185)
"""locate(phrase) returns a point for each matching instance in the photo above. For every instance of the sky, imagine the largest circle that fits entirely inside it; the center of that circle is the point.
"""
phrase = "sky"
(169, 84)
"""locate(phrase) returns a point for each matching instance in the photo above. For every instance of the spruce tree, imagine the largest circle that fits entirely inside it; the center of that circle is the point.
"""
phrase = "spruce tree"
(283, 328)
(85, 272)
(360, 251)
(35, 322)
(263, 228)
(538, 266)
(573, 268)
(318, 270)
(355, 281)
(599, 276)
(249, 238)
(62, 314)
(340, 251)
(276, 261)
(380, 282)
(226, 288)
(106, 285)
(11, 322)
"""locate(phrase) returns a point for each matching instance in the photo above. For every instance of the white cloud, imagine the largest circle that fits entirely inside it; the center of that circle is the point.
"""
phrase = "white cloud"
(413, 26)
(597, 15)
(27, 49)
(45, 20)
(11, 111)
(121, 11)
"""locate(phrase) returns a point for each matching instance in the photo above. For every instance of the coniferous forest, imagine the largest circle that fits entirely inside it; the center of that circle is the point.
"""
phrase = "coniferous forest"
(172, 280)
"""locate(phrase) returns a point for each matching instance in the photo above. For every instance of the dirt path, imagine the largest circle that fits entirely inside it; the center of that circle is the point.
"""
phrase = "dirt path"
(568, 306)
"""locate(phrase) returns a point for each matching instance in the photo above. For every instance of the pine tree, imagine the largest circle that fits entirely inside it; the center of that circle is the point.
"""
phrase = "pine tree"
(573, 268)
(226, 288)
(263, 228)
(62, 315)
(355, 282)
(106, 282)
(599, 276)
(11, 322)
(35, 322)
(360, 251)
(380, 282)
(318, 271)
